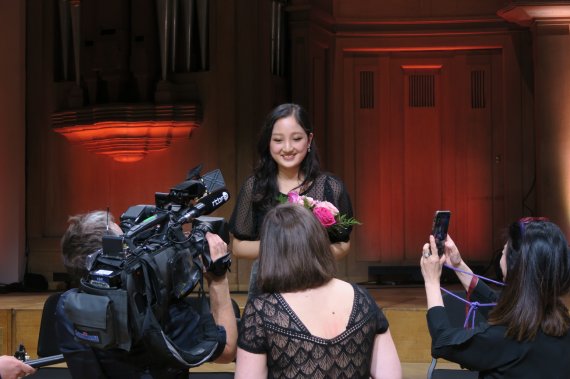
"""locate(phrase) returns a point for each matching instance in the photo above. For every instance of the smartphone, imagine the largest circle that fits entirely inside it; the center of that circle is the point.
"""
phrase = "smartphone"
(439, 229)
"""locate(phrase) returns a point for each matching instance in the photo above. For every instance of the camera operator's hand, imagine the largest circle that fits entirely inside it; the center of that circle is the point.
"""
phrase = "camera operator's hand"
(220, 301)
(12, 368)
(218, 248)
(218, 251)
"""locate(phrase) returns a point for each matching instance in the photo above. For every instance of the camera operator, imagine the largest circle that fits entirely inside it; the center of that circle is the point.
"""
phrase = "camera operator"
(83, 237)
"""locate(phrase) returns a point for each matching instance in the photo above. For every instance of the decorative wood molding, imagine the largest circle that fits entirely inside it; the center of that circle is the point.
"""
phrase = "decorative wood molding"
(127, 133)
(529, 12)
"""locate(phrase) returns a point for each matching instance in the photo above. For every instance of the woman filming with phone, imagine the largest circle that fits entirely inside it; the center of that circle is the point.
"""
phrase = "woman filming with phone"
(527, 334)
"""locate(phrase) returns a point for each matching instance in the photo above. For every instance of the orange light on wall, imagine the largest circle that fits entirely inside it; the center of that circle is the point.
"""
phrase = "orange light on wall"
(127, 133)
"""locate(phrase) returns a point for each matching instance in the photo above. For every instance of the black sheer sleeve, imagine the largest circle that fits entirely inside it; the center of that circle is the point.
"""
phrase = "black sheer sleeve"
(335, 192)
(243, 222)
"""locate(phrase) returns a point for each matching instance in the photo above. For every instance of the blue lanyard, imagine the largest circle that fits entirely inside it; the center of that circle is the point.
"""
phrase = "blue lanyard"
(473, 305)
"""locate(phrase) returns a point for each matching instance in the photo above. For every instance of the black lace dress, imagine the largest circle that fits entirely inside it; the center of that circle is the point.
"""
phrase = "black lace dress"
(269, 326)
(245, 222)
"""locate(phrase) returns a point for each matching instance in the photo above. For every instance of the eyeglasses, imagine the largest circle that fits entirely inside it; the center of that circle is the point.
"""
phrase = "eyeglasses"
(525, 220)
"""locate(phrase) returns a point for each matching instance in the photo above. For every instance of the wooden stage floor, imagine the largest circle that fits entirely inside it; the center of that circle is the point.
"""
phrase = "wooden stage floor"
(20, 315)
(405, 308)
(397, 297)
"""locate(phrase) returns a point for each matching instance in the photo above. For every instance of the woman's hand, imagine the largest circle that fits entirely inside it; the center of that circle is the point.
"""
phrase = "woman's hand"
(340, 249)
(452, 252)
(453, 258)
(431, 264)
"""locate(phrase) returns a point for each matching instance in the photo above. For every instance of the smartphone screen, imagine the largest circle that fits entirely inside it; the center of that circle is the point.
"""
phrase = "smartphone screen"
(439, 229)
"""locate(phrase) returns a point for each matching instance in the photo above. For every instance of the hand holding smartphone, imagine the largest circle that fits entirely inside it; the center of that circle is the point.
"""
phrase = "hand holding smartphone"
(439, 229)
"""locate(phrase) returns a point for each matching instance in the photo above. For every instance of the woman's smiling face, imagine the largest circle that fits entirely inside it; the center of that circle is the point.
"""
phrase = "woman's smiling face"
(289, 143)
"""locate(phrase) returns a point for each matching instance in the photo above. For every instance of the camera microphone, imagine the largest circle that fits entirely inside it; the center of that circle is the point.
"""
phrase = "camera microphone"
(206, 205)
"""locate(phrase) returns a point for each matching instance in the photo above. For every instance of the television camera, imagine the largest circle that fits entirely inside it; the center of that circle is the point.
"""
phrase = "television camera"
(153, 229)
(137, 280)
(137, 283)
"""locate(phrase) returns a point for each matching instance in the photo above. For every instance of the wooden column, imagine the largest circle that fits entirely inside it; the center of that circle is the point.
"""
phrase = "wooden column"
(549, 24)
(12, 139)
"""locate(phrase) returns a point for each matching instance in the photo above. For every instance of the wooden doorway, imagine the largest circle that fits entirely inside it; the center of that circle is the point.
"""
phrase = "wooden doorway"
(427, 130)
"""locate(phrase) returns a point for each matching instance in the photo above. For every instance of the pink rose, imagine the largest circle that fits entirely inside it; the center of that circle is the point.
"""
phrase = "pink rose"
(308, 202)
(293, 197)
(325, 216)
(327, 205)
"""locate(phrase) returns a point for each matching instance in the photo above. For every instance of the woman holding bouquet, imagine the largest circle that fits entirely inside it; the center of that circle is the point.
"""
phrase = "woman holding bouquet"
(288, 163)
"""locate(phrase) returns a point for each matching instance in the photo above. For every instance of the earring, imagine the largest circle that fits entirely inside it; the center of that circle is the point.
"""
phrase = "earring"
(309, 149)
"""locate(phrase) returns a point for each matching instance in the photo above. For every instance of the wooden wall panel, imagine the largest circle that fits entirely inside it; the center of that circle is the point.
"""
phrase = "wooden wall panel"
(421, 162)
(12, 140)
(26, 324)
(475, 168)
(365, 75)
(426, 144)
(5, 331)
(394, 9)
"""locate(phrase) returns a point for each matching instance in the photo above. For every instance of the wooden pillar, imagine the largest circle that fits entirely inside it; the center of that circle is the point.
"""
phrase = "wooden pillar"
(12, 139)
(549, 24)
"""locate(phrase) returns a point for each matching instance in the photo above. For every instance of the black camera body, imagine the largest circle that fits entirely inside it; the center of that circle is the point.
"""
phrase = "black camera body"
(151, 229)
(154, 265)
(105, 278)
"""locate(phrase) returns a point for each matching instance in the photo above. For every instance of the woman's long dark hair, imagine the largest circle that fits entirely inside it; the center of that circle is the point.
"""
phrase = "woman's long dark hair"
(266, 188)
(531, 300)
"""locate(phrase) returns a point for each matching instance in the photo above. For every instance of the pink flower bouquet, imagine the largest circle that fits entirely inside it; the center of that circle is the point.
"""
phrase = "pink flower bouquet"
(327, 214)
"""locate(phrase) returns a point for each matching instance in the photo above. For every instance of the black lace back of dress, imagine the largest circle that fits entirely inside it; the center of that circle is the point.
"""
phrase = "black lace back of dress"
(270, 326)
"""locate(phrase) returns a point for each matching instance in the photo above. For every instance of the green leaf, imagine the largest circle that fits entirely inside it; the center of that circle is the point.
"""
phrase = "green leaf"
(345, 221)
